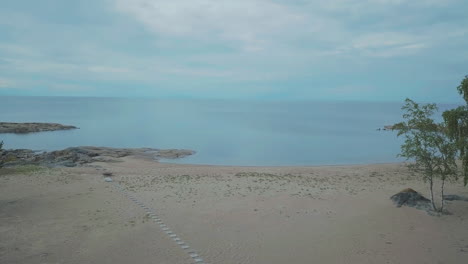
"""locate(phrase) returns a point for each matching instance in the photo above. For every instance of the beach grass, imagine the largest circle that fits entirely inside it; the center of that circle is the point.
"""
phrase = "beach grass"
(23, 169)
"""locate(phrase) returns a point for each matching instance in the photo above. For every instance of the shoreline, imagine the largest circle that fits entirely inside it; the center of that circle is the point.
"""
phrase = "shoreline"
(86, 154)
(285, 166)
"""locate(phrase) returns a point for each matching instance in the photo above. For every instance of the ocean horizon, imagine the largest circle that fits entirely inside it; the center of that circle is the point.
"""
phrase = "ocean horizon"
(222, 132)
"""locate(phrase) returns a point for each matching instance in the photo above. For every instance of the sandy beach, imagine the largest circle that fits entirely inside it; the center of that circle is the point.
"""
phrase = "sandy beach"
(257, 215)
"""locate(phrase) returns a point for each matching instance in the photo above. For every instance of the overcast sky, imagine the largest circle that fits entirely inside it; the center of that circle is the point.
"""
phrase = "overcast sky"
(383, 50)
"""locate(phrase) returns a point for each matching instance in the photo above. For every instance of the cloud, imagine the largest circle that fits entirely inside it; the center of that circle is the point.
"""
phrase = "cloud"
(247, 22)
(6, 83)
(227, 47)
(66, 87)
(107, 69)
(387, 44)
(328, 27)
(383, 39)
(17, 50)
(353, 89)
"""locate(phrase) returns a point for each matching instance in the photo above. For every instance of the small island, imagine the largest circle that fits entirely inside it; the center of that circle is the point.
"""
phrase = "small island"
(24, 128)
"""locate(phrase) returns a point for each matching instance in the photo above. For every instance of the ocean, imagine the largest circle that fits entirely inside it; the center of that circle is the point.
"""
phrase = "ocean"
(240, 133)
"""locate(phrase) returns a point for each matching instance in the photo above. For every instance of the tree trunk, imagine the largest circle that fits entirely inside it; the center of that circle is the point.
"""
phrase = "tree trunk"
(431, 185)
(442, 193)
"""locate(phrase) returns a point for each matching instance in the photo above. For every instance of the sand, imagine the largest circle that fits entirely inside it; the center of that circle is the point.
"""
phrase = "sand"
(334, 214)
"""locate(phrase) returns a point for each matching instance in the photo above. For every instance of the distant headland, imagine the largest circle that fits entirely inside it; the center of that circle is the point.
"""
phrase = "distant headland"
(24, 128)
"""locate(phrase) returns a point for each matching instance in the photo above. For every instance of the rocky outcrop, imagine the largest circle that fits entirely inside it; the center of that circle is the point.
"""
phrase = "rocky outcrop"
(76, 156)
(23, 128)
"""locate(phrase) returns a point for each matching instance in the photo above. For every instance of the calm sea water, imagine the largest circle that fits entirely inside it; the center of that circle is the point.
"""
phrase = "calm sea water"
(222, 132)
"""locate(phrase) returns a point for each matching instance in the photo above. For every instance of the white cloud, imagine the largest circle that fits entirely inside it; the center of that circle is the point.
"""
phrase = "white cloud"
(224, 41)
(249, 22)
(387, 44)
(276, 26)
(369, 6)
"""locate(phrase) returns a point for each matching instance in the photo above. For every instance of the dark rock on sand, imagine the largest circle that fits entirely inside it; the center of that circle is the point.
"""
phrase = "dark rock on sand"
(23, 128)
(76, 156)
(411, 198)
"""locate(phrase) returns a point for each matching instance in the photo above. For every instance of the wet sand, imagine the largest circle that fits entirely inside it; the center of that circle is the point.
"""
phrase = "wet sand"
(334, 214)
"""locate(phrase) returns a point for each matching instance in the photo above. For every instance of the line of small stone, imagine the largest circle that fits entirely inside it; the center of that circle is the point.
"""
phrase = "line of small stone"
(183, 245)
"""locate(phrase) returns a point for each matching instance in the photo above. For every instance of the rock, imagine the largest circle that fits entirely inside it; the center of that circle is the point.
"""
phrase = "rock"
(77, 156)
(411, 198)
(174, 153)
(23, 128)
(107, 179)
(104, 159)
(66, 164)
(108, 174)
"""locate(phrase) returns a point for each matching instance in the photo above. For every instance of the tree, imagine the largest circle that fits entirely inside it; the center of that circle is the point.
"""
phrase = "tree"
(456, 122)
(1, 161)
(432, 151)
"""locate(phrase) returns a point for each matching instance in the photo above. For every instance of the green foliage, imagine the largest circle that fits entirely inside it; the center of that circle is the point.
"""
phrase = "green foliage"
(1, 160)
(428, 144)
(463, 88)
(456, 123)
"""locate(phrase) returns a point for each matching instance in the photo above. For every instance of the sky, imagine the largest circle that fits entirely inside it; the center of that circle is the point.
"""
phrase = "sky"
(369, 50)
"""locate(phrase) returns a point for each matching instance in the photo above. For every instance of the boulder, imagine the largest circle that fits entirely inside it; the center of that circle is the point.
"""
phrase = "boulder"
(411, 198)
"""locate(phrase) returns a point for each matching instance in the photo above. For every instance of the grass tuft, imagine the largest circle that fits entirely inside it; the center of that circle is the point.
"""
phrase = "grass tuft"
(24, 169)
